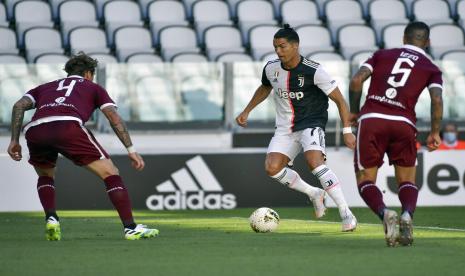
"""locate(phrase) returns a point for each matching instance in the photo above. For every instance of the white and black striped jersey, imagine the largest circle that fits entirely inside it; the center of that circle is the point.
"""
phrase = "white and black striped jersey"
(300, 94)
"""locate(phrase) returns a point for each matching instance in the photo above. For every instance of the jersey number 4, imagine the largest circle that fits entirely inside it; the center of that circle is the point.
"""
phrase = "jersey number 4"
(398, 70)
(69, 88)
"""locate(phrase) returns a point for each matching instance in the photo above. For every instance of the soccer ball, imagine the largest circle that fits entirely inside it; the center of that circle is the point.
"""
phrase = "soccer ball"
(264, 220)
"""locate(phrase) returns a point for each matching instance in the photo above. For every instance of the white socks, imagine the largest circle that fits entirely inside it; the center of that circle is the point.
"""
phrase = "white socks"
(291, 179)
(331, 185)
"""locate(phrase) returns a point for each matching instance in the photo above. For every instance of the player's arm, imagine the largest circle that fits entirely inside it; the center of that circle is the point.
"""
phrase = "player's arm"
(434, 140)
(338, 99)
(120, 129)
(259, 96)
(17, 117)
(355, 89)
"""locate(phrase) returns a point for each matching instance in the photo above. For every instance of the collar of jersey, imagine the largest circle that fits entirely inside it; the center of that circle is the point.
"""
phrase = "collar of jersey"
(415, 48)
(282, 67)
(74, 76)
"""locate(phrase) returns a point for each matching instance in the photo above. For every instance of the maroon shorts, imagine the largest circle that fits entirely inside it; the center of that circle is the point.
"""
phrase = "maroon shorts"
(68, 138)
(378, 136)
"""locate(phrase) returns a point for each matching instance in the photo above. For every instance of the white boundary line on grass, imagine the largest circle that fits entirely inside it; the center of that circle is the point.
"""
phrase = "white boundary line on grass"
(374, 224)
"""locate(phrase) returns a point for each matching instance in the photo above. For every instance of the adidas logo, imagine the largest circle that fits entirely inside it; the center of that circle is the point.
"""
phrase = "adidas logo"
(196, 188)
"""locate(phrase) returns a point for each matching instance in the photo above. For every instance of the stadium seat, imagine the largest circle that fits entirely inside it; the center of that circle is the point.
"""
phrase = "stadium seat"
(155, 105)
(431, 12)
(221, 39)
(321, 56)
(243, 86)
(445, 37)
(103, 58)
(9, 5)
(3, 16)
(299, 12)
(51, 59)
(177, 39)
(8, 43)
(208, 13)
(132, 39)
(189, 6)
(385, 12)
(120, 13)
(454, 61)
(144, 58)
(308, 43)
(358, 59)
(234, 57)
(261, 40)
(189, 57)
(353, 38)
(41, 40)
(30, 14)
(55, 7)
(233, 7)
(88, 39)
(251, 13)
(11, 59)
(392, 36)
(459, 99)
(342, 12)
(76, 13)
(163, 13)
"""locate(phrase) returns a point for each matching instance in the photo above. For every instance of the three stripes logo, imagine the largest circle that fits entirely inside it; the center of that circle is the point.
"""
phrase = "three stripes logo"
(194, 187)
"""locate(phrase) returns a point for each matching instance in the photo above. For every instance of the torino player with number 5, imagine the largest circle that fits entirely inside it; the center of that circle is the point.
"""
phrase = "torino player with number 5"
(386, 124)
(57, 126)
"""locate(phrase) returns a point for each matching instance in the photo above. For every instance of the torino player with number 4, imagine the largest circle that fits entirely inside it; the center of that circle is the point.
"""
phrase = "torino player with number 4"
(57, 126)
(386, 124)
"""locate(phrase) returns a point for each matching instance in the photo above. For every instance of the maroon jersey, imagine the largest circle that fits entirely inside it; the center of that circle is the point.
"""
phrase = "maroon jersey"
(398, 77)
(71, 98)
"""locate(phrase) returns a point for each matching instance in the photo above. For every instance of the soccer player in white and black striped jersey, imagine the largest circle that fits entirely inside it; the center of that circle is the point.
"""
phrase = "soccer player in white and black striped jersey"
(301, 91)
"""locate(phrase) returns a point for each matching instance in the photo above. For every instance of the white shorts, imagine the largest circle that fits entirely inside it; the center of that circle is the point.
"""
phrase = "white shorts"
(292, 144)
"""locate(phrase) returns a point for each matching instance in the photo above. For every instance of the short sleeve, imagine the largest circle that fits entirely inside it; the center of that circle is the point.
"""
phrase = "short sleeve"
(265, 80)
(324, 81)
(102, 98)
(32, 94)
(370, 63)
(435, 79)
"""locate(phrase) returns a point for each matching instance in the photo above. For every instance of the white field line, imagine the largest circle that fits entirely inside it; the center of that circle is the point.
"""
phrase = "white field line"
(373, 224)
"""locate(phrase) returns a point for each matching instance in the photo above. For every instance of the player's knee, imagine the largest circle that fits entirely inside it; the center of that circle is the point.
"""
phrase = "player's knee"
(272, 168)
(313, 164)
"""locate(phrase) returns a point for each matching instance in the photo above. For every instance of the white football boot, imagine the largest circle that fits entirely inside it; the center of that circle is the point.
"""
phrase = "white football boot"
(140, 232)
(318, 202)
(391, 231)
(406, 229)
(349, 221)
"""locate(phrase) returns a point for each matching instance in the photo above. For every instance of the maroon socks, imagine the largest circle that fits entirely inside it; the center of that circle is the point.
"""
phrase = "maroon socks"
(372, 197)
(46, 191)
(120, 198)
(408, 194)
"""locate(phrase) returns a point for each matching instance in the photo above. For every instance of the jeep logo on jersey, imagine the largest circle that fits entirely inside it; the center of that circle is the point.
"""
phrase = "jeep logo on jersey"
(205, 192)
(289, 95)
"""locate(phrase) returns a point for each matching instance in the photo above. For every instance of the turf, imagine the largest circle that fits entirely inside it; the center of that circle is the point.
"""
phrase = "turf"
(221, 243)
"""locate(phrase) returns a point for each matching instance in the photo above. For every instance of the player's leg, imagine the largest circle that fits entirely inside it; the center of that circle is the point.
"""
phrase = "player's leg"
(46, 191)
(373, 138)
(280, 151)
(43, 156)
(119, 197)
(313, 143)
(403, 155)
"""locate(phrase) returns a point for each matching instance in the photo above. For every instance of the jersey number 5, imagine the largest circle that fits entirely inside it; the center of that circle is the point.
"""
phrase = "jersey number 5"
(69, 88)
(398, 70)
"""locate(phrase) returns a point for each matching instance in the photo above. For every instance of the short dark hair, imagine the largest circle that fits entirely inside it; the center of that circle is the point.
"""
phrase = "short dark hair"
(288, 33)
(79, 64)
(417, 31)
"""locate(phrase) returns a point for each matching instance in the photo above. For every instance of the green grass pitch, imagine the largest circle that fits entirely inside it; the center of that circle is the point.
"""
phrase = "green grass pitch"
(221, 243)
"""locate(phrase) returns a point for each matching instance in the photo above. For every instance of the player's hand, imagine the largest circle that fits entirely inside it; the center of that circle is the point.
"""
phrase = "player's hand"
(136, 161)
(350, 140)
(242, 119)
(433, 141)
(353, 119)
(14, 150)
